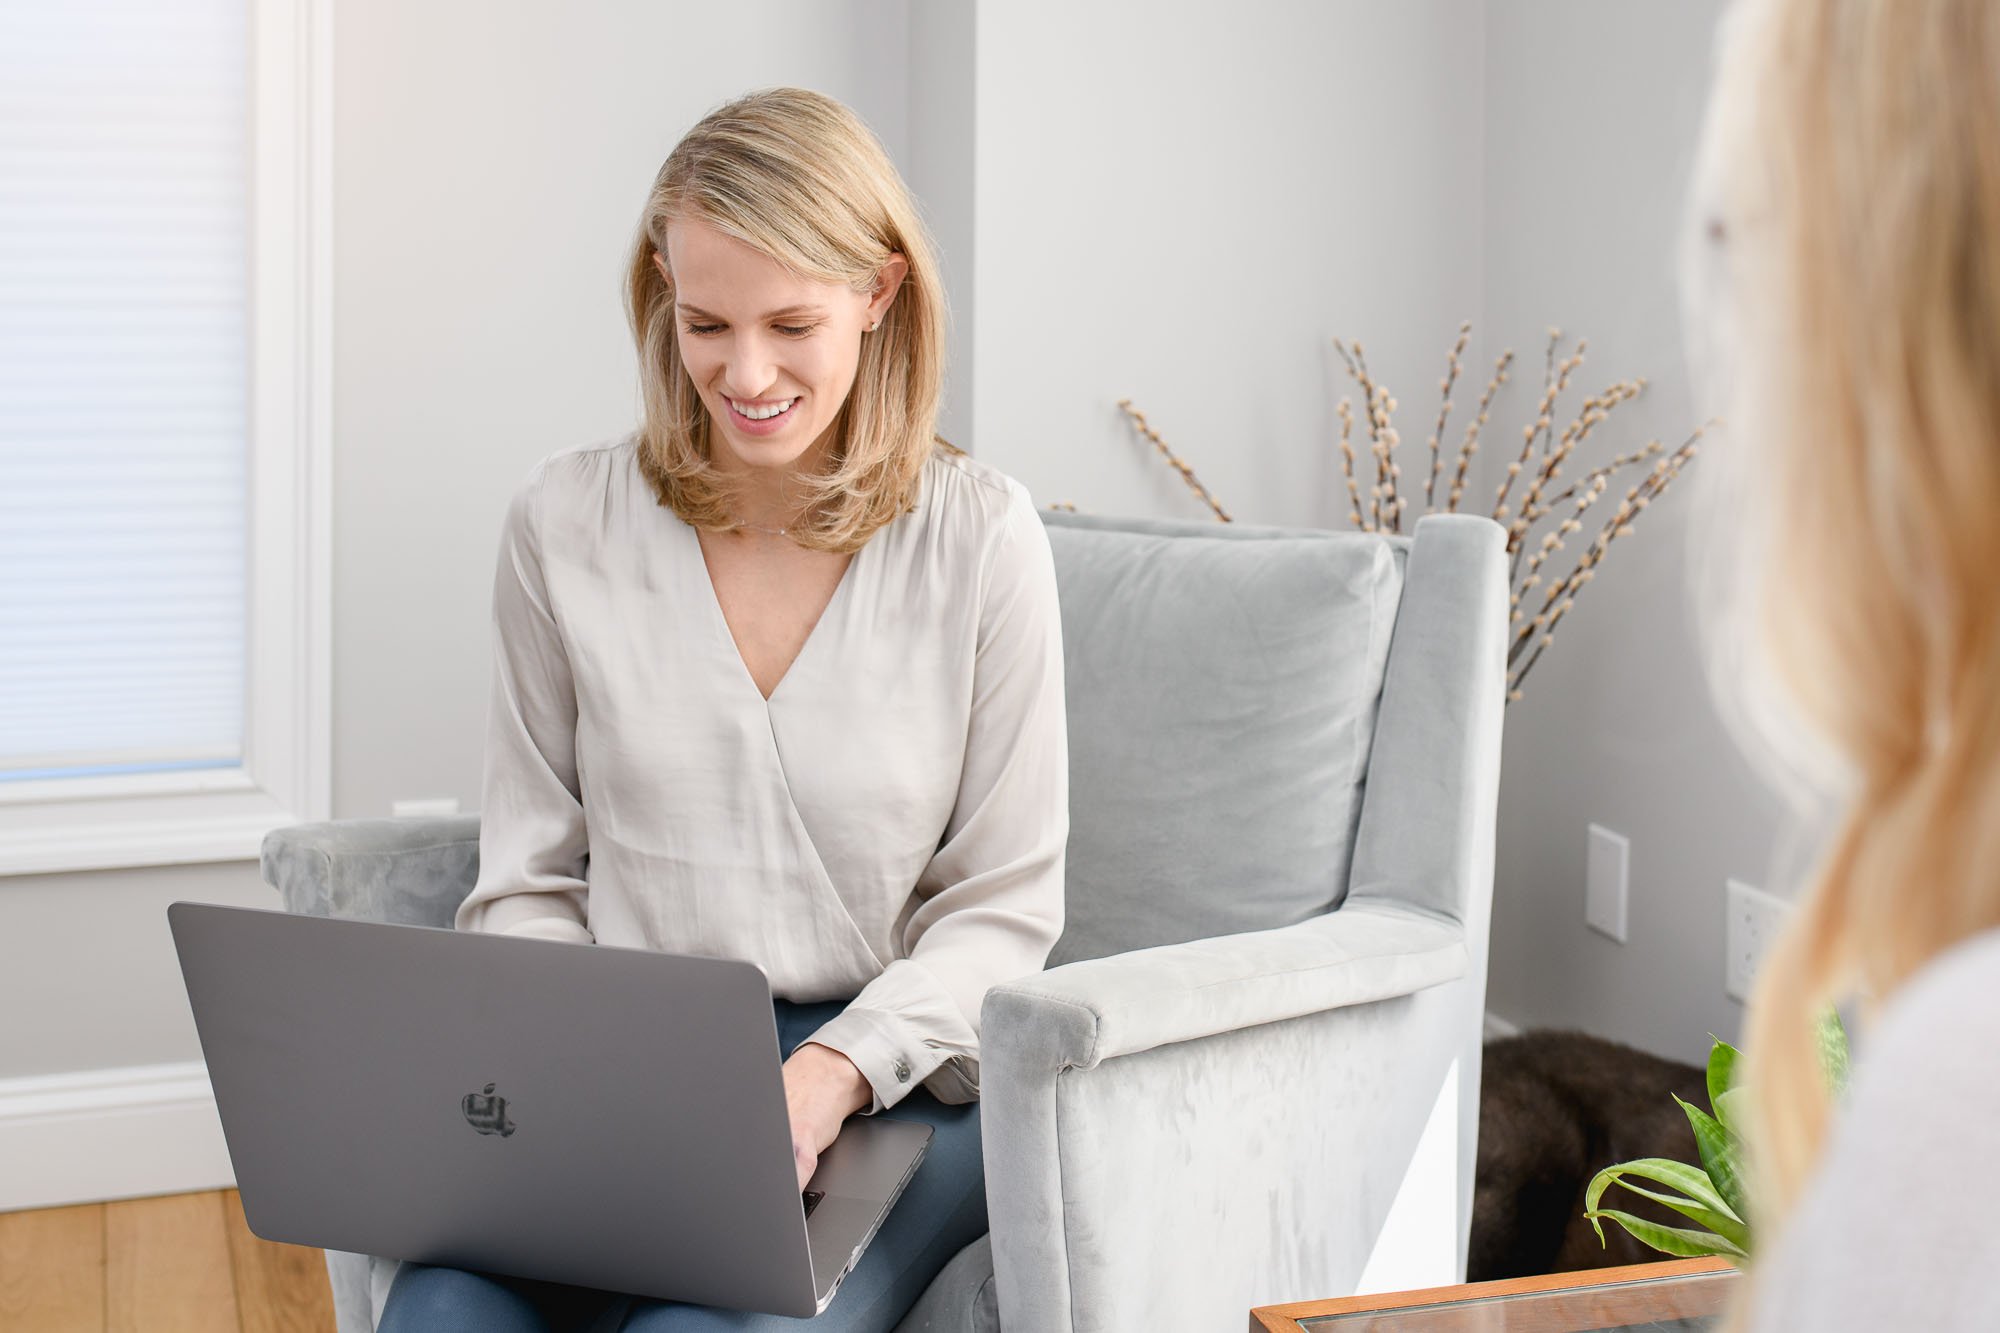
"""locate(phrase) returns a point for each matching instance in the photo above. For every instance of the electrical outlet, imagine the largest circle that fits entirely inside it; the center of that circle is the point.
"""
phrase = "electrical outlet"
(431, 806)
(1606, 882)
(1755, 918)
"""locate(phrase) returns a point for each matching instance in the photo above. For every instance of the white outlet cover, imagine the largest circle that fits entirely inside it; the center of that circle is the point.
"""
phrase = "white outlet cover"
(1607, 882)
(1754, 919)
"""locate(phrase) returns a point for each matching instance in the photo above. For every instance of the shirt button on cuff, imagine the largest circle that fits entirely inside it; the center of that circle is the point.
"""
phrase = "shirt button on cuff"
(902, 1071)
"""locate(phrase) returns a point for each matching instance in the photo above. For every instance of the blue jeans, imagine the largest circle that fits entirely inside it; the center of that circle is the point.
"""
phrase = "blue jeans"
(941, 1212)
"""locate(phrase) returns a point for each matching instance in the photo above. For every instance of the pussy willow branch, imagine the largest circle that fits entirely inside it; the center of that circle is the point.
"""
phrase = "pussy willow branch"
(1346, 411)
(1562, 596)
(1549, 390)
(1444, 411)
(1595, 409)
(1551, 544)
(1544, 454)
(1382, 438)
(1386, 466)
(1594, 485)
(1187, 473)
(1637, 456)
(1470, 445)
(1552, 387)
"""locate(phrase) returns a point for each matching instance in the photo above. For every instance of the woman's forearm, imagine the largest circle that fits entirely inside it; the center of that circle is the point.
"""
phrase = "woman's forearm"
(825, 1084)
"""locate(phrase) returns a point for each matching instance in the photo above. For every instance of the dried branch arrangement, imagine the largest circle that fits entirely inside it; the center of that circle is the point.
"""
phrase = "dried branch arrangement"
(1541, 520)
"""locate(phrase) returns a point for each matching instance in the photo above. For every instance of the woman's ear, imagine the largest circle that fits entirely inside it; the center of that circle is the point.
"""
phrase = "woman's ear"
(888, 280)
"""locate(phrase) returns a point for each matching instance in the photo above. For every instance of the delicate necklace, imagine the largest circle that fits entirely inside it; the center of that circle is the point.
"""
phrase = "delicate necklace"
(756, 527)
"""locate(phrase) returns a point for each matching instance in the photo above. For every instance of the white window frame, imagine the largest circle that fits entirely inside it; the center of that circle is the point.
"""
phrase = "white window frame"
(175, 818)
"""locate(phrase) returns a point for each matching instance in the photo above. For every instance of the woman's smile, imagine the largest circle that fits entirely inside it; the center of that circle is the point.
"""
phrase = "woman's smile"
(769, 417)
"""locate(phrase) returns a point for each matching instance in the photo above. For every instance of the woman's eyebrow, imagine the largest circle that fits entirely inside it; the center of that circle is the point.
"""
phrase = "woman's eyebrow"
(774, 314)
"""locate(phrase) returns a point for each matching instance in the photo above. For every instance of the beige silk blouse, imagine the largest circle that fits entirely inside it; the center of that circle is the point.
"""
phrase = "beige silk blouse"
(888, 827)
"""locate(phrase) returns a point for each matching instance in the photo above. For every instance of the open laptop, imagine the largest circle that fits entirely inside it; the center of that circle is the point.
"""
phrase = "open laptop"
(581, 1113)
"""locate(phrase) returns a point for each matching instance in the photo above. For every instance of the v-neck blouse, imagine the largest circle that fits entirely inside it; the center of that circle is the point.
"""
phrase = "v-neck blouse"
(714, 599)
(889, 827)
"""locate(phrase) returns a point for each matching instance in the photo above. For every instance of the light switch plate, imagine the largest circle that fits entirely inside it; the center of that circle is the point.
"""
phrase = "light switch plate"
(1606, 883)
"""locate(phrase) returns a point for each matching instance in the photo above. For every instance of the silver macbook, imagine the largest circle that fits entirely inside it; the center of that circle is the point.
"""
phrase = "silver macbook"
(580, 1113)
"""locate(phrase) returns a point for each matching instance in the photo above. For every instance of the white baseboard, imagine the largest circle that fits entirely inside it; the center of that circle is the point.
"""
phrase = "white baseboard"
(1497, 1027)
(102, 1134)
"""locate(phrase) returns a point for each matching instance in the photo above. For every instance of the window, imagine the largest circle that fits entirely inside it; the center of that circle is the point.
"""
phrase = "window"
(163, 429)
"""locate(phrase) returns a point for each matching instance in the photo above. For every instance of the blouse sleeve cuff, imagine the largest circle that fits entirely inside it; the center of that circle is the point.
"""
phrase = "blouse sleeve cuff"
(517, 915)
(889, 1058)
(551, 928)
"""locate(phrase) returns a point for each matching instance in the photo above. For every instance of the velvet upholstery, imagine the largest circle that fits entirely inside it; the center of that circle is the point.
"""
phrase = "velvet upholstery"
(1284, 762)
(1222, 696)
(1286, 1074)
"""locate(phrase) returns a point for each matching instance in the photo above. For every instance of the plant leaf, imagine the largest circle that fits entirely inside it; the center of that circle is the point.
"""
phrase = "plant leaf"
(1668, 1240)
(1832, 1034)
(1703, 1205)
(1721, 1069)
(1722, 1157)
(1728, 1111)
(1689, 1180)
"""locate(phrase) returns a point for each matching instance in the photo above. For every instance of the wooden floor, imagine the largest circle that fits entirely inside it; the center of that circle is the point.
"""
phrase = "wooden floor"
(179, 1263)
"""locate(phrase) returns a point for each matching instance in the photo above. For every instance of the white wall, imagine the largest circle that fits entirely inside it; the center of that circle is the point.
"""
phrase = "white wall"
(943, 97)
(1183, 206)
(1592, 110)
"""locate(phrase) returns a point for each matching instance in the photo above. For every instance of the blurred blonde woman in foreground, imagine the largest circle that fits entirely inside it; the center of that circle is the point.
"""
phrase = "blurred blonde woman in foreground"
(1845, 291)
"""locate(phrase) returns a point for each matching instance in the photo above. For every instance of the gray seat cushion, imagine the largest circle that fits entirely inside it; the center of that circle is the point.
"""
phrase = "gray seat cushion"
(1222, 690)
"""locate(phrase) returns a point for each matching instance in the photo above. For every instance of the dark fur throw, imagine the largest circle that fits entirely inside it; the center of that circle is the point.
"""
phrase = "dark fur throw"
(1554, 1109)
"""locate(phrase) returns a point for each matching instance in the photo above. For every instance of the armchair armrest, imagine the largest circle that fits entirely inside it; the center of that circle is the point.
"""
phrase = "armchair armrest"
(410, 871)
(1074, 1016)
(1175, 1134)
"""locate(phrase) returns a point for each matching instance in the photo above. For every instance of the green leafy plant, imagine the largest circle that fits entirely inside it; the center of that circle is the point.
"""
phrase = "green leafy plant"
(1710, 1195)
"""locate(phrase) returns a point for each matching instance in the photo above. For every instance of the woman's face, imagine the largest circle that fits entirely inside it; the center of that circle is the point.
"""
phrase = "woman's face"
(754, 335)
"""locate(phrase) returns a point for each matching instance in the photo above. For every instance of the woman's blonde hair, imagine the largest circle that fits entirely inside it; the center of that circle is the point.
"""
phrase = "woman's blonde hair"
(799, 177)
(1860, 213)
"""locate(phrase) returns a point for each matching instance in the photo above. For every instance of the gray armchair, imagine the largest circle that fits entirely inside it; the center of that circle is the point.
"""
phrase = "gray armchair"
(1251, 1071)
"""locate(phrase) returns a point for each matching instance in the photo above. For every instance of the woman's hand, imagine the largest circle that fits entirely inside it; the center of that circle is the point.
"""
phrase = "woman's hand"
(822, 1088)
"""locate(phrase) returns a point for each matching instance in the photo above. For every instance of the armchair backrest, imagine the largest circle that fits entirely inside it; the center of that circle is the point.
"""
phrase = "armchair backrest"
(1223, 682)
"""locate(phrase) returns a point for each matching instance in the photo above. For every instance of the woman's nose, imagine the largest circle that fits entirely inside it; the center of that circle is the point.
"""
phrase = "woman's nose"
(749, 367)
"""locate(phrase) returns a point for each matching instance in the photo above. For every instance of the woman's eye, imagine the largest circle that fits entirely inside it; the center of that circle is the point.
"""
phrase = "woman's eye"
(790, 330)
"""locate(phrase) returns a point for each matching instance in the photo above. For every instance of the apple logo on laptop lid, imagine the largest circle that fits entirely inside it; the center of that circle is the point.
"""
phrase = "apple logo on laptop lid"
(487, 1113)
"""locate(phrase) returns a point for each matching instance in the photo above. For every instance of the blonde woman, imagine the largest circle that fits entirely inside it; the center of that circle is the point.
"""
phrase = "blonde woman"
(779, 677)
(1847, 252)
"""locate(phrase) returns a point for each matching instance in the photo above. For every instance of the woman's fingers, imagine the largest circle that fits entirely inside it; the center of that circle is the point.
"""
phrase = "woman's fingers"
(804, 1156)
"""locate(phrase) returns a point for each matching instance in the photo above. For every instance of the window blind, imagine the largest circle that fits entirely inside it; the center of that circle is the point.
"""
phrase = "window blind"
(124, 370)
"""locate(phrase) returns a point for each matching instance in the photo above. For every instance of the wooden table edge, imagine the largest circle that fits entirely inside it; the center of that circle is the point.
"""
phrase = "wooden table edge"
(1285, 1318)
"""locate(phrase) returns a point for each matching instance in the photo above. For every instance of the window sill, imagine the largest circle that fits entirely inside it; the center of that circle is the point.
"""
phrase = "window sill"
(119, 823)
